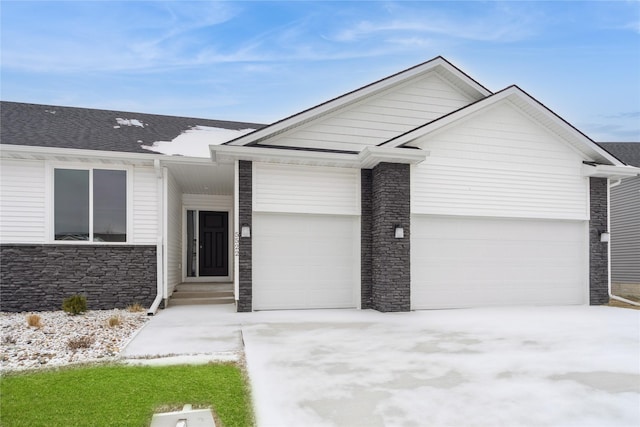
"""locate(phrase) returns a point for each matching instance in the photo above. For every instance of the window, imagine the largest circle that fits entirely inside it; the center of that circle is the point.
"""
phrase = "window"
(90, 205)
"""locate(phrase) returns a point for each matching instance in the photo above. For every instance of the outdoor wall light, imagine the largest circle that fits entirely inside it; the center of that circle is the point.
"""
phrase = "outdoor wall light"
(399, 231)
(245, 231)
(605, 236)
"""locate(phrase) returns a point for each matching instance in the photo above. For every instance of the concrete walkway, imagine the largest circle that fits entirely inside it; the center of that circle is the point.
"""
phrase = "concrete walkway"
(188, 334)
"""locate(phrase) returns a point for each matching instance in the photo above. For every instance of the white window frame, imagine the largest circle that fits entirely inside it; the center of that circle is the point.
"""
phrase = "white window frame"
(52, 166)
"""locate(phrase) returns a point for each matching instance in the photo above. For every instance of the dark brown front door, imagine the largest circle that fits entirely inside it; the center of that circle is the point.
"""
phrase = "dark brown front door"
(214, 244)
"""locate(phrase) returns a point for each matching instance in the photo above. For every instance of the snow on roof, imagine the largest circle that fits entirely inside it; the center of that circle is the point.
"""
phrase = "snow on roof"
(129, 122)
(195, 141)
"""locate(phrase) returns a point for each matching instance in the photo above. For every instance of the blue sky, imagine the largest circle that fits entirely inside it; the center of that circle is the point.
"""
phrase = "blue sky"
(262, 61)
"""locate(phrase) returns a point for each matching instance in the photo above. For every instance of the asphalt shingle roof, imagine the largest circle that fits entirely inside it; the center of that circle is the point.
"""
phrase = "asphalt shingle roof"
(628, 152)
(92, 129)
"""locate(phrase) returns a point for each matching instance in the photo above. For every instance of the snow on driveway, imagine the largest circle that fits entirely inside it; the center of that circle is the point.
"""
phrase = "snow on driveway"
(559, 366)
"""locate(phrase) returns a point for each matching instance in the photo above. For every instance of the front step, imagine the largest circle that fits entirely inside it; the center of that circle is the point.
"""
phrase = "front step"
(202, 293)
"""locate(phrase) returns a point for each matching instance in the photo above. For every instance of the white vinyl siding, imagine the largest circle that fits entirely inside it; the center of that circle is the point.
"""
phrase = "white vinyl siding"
(625, 232)
(145, 206)
(174, 234)
(380, 117)
(305, 261)
(471, 262)
(306, 189)
(499, 163)
(23, 216)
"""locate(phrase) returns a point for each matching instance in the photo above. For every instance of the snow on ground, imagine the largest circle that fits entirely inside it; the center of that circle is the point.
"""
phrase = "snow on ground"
(195, 141)
(557, 366)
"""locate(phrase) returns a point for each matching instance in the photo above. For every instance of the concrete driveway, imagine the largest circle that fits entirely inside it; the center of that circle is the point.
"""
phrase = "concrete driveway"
(569, 366)
(558, 366)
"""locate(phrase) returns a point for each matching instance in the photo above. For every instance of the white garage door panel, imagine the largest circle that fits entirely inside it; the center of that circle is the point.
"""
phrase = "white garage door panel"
(464, 262)
(305, 261)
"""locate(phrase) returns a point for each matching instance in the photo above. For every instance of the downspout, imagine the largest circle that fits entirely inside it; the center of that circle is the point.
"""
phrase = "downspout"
(159, 240)
(611, 296)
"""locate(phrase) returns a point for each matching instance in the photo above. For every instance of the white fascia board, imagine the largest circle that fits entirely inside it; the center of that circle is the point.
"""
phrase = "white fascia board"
(358, 94)
(372, 156)
(609, 171)
(57, 153)
(366, 159)
(230, 153)
(34, 152)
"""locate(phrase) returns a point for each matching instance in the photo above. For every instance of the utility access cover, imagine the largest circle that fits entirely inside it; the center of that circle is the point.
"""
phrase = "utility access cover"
(186, 418)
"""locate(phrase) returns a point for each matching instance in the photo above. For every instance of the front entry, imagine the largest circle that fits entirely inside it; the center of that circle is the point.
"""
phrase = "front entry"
(213, 239)
(207, 244)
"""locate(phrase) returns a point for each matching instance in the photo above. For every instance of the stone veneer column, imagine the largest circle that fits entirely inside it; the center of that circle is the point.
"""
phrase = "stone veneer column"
(365, 238)
(598, 251)
(391, 267)
(245, 209)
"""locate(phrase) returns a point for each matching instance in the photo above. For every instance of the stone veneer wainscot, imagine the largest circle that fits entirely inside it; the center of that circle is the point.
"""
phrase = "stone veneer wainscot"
(40, 277)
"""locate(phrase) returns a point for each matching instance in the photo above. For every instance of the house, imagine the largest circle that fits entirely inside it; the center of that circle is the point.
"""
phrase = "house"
(421, 190)
(625, 223)
(84, 208)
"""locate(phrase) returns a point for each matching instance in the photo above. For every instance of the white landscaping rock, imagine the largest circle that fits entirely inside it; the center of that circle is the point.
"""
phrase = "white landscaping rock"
(23, 347)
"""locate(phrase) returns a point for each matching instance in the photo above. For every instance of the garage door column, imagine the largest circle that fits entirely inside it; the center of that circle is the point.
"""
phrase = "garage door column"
(390, 232)
(245, 209)
(598, 251)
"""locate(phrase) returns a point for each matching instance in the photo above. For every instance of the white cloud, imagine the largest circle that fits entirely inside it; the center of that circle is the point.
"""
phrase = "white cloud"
(501, 24)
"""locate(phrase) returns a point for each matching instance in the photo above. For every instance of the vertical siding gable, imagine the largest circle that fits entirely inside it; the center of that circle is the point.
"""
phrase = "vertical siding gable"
(379, 118)
(23, 201)
(499, 163)
(306, 189)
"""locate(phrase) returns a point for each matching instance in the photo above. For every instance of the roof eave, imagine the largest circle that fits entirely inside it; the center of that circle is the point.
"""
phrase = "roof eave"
(11, 151)
(366, 159)
(610, 171)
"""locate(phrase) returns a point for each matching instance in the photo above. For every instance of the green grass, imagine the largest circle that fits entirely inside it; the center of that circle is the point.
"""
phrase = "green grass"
(122, 396)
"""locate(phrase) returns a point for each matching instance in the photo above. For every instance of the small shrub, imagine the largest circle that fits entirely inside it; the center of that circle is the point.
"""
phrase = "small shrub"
(34, 321)
(8, 339)
(114, 321)
(135, 308)
(75, 304)
(80, 342)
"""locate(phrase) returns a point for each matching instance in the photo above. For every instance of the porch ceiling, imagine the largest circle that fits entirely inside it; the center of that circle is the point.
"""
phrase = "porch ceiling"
(206, 178)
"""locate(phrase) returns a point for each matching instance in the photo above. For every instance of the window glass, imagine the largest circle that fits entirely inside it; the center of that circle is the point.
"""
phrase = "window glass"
(71, 204)
(192, 244)
(109, 205)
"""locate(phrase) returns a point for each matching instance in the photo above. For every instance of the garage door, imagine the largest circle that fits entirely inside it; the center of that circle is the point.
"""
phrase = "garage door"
(465, 262)
(305, 261)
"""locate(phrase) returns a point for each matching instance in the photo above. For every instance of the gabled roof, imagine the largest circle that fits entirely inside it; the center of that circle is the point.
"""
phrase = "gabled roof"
(445, 69)
(628, 152)
(91, 129)
(526, 103)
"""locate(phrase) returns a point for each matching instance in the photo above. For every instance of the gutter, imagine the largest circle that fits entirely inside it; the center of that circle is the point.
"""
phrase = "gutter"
(159, 242)
(368, 158)
(611, 295)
